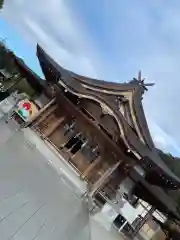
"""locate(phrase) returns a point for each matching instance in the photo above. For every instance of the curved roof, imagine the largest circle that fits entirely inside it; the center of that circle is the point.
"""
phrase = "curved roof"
(156, 197)
(136, 137)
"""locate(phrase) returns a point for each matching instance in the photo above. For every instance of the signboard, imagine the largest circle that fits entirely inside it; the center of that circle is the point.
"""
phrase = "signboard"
(26, 110)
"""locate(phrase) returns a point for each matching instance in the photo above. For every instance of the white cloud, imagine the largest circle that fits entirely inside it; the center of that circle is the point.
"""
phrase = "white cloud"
(138, 35)
(162, 140)
(146, 35)
(54, 26)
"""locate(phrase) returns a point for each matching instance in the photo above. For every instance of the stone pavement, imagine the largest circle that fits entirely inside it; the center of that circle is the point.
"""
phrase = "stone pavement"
(40, 197)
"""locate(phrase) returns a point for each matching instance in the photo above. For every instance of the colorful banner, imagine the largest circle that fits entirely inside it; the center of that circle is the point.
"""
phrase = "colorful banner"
(26, 110)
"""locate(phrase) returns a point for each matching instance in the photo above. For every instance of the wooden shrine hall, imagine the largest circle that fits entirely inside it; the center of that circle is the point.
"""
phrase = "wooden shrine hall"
(100, 129)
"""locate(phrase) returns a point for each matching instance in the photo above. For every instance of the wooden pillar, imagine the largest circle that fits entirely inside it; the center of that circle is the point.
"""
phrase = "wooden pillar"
(45, 115)
(103, 179)
(52, 128)
(40, 112)
(91, 167)
(143, 221)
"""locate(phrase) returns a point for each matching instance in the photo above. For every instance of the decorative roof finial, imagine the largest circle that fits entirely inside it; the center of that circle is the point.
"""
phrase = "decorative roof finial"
(139, 76)
(141, 80)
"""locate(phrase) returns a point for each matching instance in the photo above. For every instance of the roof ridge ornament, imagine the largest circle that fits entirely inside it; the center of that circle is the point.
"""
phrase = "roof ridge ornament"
(141, 82)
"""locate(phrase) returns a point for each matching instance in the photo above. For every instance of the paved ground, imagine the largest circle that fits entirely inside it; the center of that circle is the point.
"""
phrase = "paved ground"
(37, 201)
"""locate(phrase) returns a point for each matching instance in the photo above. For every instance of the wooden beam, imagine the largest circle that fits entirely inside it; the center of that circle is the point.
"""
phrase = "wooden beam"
(41, 111)
(91, 167)
(45, 115)
(52, 128)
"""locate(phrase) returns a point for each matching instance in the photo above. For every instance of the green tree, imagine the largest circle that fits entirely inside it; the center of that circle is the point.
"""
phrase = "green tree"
(8, 64)
(6, 59)
(174, 164)
(1, 3)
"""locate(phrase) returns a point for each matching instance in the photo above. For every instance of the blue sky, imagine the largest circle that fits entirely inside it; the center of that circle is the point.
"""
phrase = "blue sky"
(110, 40)
(14, 41)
